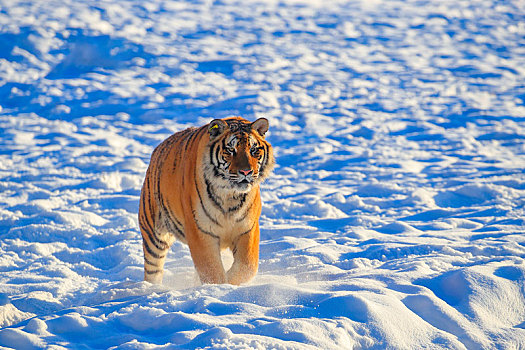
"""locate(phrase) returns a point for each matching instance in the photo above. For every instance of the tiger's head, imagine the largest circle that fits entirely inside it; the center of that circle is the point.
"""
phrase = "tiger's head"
(239, 156)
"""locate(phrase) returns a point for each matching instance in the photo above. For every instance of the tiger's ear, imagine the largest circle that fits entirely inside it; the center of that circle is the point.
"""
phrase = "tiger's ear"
(261, 125)
(217, 127)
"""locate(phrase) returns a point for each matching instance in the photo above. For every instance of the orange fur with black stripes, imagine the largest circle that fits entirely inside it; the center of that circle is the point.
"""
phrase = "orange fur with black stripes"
(202, 187)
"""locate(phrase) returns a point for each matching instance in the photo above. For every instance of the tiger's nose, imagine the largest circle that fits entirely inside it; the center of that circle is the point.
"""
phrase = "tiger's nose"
(246, 172)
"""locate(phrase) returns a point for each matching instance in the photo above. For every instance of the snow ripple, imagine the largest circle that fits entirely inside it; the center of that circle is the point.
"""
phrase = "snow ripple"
(394, 218)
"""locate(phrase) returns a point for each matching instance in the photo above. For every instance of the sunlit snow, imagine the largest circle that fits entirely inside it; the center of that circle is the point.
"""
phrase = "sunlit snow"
(394, 217)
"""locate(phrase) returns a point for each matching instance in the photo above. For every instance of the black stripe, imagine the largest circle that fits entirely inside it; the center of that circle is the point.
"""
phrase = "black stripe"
(183, 134)
(142, 207)
(167, 148)
(195, 132)
(151, 252)
(170, 220)
(164, 207)
(246, 232)
(188, 139)
(238, 206)
(146, 261)
(144, 223)
(152, 272)
(214, 149)
(162, 158)
(212, 196)
(144, 218)
(246, 212)
(162, 150)
(236, 241)
(216, 173)
(211, 152)
(226, 146)
(177, 224)
(177, 229)
(166, 211)
(146, 226)
(200, 199)
(143, 199)
(265, 160)
(203, 231)
(174, 224)
(150, 203)
(179, 136)
(155, 240)
(239, 126)
(218, 157)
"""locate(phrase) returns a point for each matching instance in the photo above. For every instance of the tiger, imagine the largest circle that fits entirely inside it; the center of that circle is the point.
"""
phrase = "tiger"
(202, 188)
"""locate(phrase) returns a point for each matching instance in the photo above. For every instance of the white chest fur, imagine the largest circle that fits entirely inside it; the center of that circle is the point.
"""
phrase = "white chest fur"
(224, 214)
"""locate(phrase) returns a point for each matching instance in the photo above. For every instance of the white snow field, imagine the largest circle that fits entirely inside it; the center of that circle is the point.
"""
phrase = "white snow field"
(394, 218)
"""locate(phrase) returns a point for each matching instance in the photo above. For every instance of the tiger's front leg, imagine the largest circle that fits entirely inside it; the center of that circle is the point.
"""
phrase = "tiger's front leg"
(246, 257)
(205, 252)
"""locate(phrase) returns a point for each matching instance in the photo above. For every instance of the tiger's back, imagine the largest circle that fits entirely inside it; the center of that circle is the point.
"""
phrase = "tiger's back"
(202, 187)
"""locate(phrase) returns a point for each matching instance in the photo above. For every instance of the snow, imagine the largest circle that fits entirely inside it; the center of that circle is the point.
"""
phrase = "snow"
(394, 217)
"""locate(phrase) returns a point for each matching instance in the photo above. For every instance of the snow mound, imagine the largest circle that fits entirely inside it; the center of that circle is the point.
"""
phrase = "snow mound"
(394, 217)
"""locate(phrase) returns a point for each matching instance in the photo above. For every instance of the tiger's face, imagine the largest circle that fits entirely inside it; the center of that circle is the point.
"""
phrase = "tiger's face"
(239, 155)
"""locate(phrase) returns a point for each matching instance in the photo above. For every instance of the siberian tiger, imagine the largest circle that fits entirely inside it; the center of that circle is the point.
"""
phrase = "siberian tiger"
(202, 188)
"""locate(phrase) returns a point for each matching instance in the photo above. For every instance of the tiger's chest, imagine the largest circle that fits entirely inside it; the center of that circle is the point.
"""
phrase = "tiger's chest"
(225, 216)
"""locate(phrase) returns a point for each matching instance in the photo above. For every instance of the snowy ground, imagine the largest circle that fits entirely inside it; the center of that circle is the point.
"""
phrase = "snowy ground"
(395, 215)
